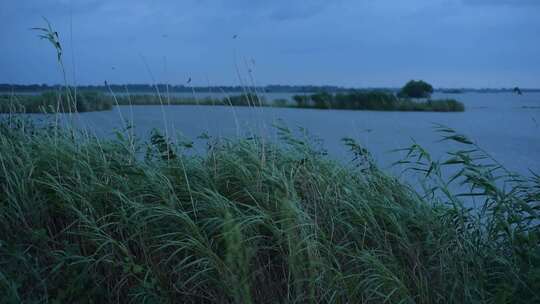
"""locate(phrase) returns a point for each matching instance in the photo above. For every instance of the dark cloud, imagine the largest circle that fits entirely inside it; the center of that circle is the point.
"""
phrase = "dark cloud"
(344, 42)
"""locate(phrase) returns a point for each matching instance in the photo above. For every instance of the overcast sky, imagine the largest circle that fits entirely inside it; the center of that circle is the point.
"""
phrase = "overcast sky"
(361, 43)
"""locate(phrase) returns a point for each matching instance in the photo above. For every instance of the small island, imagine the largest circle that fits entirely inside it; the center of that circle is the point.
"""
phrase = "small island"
(375, 101)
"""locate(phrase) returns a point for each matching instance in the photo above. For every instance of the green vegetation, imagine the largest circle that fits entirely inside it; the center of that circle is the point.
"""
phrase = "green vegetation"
(357, 100)
(84, 219)
(249, 99)
(376, 101)
(147, 99)
(95, 101)
(416, 89)
(52, 102)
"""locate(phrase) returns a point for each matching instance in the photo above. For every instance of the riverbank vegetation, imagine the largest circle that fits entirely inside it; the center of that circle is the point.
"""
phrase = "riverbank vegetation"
(375, 101)
(95, 101)
(55, 102)
(248, 99)
(86, 101)
(87, 219)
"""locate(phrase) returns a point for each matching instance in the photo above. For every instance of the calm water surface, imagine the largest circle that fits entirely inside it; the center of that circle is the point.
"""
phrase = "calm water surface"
(504, 124)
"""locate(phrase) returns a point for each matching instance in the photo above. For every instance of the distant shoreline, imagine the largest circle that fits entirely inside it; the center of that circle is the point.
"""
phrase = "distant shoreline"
(90, 101)
(164, 88)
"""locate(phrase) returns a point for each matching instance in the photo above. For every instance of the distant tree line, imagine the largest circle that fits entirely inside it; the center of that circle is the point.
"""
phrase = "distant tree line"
(119, 88)
(97, 101)
(148, 88)
(416, 89)
(249, 99)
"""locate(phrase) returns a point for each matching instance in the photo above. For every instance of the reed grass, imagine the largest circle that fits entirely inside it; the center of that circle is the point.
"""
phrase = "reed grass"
(233, 100)
(375, 100)
(84, 219)
(56, 102)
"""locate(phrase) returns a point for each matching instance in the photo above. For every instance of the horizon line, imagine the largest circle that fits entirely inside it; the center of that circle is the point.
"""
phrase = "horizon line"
(340, 87)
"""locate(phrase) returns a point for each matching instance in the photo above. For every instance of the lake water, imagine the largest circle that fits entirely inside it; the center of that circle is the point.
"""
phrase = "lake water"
(504, 124)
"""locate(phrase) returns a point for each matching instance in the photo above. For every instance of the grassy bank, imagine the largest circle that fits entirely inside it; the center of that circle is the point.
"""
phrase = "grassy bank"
(53, 102)
(248, 221)
(375, 101)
